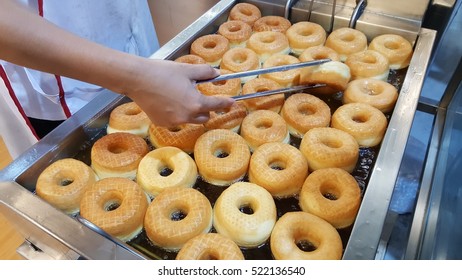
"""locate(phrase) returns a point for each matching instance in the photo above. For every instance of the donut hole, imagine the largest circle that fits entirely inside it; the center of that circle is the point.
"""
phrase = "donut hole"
(272, 22)
(240, 58)
(319, 55)
(133, 112)
(369, 59)
(65, 182)
(305, 245)
(111, 205)
(391, 45)
(269, 39)
(165, 171)
(246, 209)
(246, 12)
(372, 89)
(174, 129)
(222, 150)
(332, 143)
(208, 256)
(234, 28)
(347, 38)
(329, 191)
(277, 165)
(262, 88)
(264, 124)
(116, 148)
(177, 215)
(306, 109)
(360, 118)
(219, 83)
(305, 32)
(209, 45)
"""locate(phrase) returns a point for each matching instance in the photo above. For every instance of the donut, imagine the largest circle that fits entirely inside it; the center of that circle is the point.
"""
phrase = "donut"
(303, 111)
(377, 93)
(231, 87)
(240, 60)
(286, 78)
(63, 183)
(183, 136)
(325, 147)
(176, 215)
(364, 122)
(279, 168)
(271, 102)
(191, 59)
(210, 47)
(245, 12)
(222, 157)
(318, 52)
(346, 41)
(331, 194)
(210, 246)
(334, 74)
(368, 64)
(246, 213)
(230, 118)
(303, 236)
(267, 43)
(395, 48)
(271, 23)
(118, 155)
(236, 31)
(303, 35)
(166, 167)
(116, 205)
(263, 126)
(128, 118)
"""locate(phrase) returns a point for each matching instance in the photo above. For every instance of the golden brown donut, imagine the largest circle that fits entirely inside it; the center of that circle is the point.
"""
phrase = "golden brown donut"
(118, 155)
(303, 236)
(210, 47)
(395, 48)
(231, 219)
(116, 205)
(331, 194)
(210, 246)
(166, 167)
(183, 136)
(245, 12)
(231, 87)
(377, 93)
(263, 126)
(368, 64)
(346, 41)
(334, 74)
(271, 102)
(286, 78)
(271, 23)
(229, 119)
(267, 43)
(128, 118)
(176, 215)
(365, 123)
(222, 157)
(325, 147)
(63, 183)
(191, 59)
(303, 111)
(240, 60)
(236, 31)
(280, 168)
(304, 34)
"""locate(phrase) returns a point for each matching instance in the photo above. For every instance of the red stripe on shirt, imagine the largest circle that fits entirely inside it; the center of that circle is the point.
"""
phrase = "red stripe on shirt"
(40, 7)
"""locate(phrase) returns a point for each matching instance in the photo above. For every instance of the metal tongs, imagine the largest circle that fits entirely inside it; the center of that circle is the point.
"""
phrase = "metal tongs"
(268, 70)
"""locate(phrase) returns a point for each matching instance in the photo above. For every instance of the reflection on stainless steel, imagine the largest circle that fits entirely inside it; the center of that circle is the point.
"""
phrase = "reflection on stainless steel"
(357, 12)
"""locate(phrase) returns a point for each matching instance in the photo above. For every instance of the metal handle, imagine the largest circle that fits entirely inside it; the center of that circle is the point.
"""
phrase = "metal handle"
(357, 12)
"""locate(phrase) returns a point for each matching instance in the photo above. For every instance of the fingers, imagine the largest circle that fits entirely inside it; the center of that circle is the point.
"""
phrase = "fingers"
(202, 72)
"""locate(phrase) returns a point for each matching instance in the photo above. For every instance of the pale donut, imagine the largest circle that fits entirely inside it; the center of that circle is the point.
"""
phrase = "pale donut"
(210, 246)
(334, 74)
(245, 12)
(365, 123)
(271, 23)
(319, 239)
(118, 155)
(191, 59)
(230, 118)
(280, 168)
(63, 183)
(325, 147)
(286, 78)
(395, 48)
(377, 93)
(236, 31)
(368, 64)
(303, 111)
(210, 47)
(222, 157)
(240, 60)
(231, 87)
(303, 35)
(346, 41)
(176, 215)
(231, 220)
(183, 136)
(116, 205)
(166, 167)
(128, 118)
(264, 126)
(267, 43)
(333, 195)
(271, 102)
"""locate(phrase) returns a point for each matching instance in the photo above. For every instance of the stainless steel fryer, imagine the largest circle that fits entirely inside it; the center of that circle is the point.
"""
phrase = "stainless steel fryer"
(52, 234)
